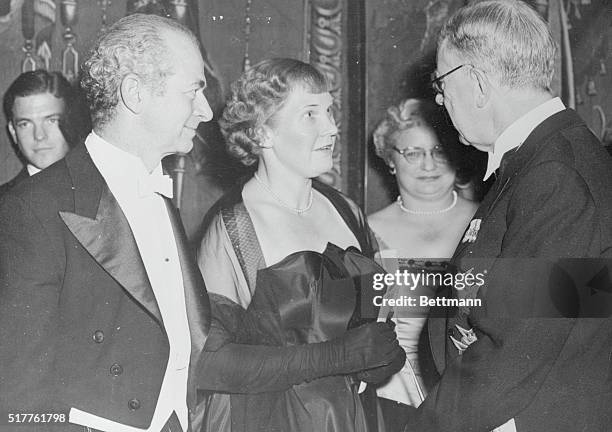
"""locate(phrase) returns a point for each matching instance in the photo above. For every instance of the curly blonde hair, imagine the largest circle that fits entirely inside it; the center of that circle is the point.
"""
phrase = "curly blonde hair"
(411, 113)
(408, 114)
(256, 96)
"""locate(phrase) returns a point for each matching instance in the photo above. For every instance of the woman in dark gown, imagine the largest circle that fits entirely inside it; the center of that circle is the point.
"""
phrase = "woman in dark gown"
(286, 261)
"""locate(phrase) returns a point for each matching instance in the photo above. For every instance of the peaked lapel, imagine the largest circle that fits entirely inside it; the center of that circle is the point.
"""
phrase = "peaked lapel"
(100, 226)
(196, 297)
(484, 210)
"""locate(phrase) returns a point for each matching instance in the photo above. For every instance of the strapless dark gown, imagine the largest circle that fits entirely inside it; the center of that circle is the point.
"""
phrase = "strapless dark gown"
(308, 297)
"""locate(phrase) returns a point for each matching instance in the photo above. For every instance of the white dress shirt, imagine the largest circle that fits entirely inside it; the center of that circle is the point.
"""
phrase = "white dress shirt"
(149, 221)
(515, 134)
(32, 169)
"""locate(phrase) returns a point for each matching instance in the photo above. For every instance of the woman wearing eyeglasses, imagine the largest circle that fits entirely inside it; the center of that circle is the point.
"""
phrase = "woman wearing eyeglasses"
(419, 231)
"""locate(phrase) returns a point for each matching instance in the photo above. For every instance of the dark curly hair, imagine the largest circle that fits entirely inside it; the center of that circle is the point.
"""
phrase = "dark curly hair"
(257, 95)
(74, 123)
(37, 82)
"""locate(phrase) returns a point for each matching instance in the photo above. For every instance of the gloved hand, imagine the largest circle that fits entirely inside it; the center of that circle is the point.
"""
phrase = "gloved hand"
(367, 346)
(259, 368)
(381, 373)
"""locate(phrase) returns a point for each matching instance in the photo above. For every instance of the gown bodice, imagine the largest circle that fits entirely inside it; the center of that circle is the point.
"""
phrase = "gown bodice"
(307, 297)
(311, 297)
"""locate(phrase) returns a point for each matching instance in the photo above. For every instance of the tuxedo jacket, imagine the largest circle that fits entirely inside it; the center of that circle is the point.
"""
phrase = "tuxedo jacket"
(79, 323)
(23, 174)
(533, 360)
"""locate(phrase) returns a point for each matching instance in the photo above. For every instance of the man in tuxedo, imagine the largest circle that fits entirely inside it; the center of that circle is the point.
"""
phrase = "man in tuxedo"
(103, 312)
(34, 105)
(533, 356)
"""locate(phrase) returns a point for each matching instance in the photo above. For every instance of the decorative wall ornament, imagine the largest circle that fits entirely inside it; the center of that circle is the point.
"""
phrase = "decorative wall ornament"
(591, 89)
(246, 62)
(605, 128)
(44, 52)
(178, 10)
(9, 10)
(104, 5)
(44, 16)
(324, 33)
(28, 31)
(70, 56)
(6, 9)
(37, 45)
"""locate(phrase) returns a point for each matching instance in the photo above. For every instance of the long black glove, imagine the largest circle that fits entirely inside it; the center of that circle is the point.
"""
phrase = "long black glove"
(379, 374)
(240, 368)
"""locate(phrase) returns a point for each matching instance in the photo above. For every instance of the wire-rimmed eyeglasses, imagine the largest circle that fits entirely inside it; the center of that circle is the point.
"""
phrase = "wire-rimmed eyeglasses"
(416, 155)
(436, 82)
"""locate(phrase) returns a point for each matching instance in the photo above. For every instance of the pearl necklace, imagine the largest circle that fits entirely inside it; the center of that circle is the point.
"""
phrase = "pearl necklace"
(400, 202)
(296, 210)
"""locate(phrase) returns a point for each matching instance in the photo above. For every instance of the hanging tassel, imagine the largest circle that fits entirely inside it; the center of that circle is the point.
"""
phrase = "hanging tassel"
(591, 89)
(28, 31)
(70, 56)
(246, 63)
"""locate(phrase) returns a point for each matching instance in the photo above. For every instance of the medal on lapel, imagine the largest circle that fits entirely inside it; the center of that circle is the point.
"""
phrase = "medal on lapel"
(472, 231)
(468, 337)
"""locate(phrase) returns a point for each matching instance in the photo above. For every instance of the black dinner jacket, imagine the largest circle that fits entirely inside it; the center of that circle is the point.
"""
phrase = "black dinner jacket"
(551, 200)
(22, 175)
(79, 323)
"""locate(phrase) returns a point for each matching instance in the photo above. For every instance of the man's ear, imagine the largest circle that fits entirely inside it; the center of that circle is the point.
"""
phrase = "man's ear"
(481, 87)
(12, 132)
(132, 93)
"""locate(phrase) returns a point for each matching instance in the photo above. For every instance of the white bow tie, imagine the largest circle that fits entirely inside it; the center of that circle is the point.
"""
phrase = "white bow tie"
(155, 183)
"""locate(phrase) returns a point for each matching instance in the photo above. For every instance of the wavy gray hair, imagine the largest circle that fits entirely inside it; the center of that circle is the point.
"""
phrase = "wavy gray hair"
(505, 37)
(134, 44)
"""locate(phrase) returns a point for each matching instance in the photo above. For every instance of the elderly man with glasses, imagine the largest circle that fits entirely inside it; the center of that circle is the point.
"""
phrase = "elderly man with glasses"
(536, 355)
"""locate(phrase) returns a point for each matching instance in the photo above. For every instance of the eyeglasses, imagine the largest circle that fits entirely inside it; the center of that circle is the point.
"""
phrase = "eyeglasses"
(417, 155)
(438, 84)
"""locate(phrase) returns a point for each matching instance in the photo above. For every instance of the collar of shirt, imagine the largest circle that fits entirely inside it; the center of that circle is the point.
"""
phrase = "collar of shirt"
(515, 134)
(32, 169)
(126, 170)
